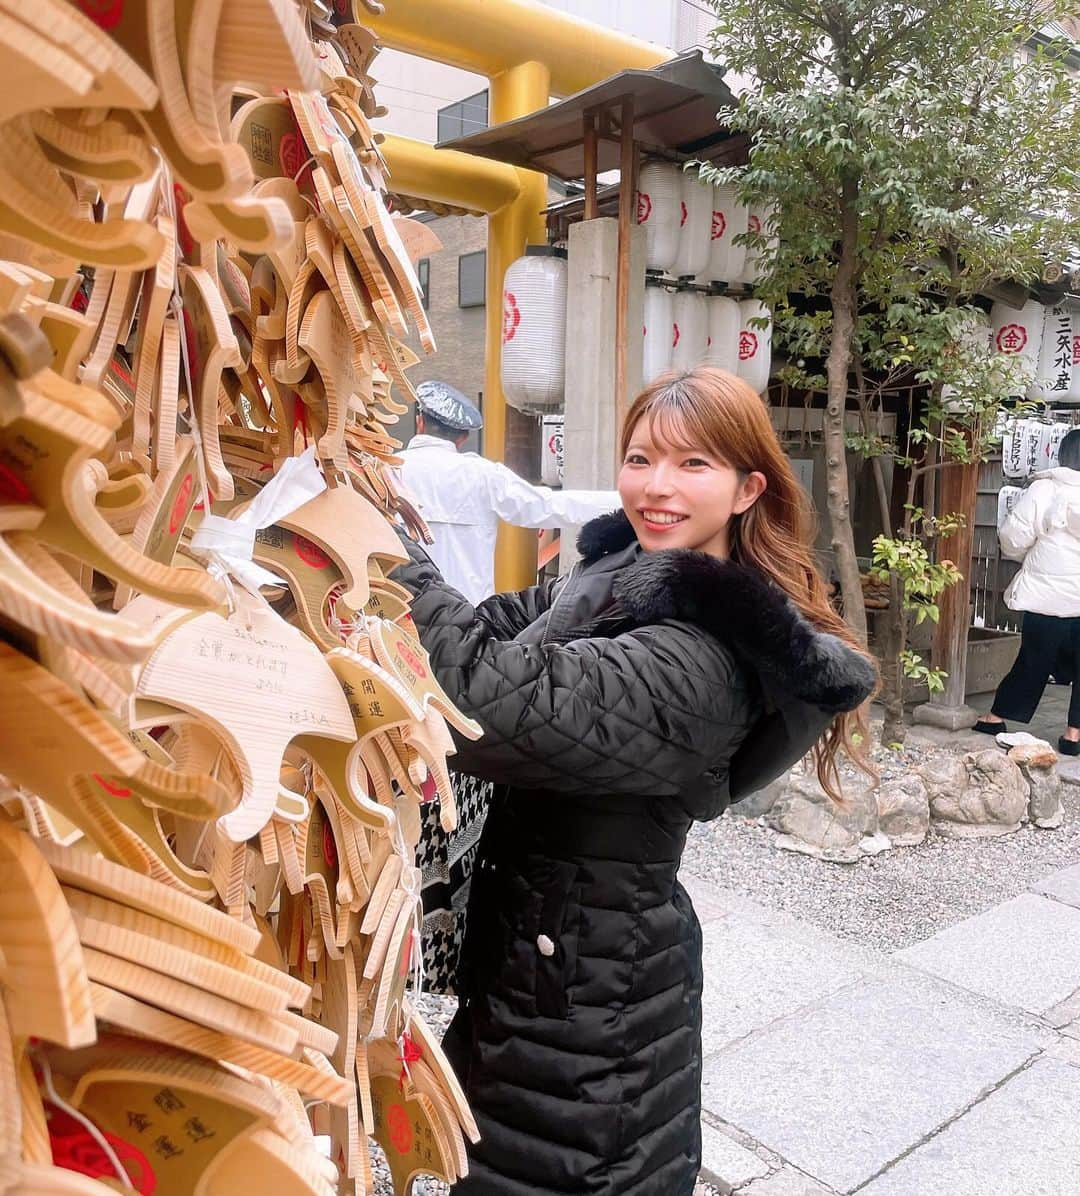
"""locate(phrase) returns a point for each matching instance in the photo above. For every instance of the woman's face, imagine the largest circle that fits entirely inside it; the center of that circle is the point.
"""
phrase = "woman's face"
(682, 497)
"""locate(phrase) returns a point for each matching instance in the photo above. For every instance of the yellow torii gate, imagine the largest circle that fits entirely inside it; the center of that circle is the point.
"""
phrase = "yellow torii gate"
(529, 52)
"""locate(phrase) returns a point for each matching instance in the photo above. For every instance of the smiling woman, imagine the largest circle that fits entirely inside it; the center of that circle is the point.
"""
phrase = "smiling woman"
(678, 493)
(688, 660)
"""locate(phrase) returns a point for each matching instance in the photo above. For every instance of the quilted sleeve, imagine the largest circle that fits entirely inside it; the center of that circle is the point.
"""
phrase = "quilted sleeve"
(508, 614)
(505, 614)
(645, 712)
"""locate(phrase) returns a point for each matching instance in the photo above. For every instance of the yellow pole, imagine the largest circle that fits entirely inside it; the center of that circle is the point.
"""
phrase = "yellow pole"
(514, 92)
(489, 36)
(445, 176)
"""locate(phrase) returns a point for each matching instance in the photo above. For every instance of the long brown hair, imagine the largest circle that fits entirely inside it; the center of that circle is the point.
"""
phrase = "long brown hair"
(712, 409)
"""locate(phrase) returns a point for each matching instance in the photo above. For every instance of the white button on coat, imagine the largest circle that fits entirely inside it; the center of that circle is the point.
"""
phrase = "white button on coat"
(545, 946)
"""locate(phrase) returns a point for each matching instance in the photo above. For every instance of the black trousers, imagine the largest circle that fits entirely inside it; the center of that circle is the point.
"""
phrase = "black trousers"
(1047, 645)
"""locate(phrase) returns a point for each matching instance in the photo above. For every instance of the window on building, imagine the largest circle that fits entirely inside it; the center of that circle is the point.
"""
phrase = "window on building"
(471, 278)
(466, 116)
(423, 276)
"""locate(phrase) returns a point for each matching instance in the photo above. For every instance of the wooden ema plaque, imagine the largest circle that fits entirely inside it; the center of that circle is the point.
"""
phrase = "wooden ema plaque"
(44, 986)
(47, 435)
(122, 153)
(30, 597)
(179, 1126)
(92, 773)
(258, 683)
(406, 1130)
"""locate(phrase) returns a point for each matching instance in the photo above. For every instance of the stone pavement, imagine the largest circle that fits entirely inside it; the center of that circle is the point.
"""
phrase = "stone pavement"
(950, 1067)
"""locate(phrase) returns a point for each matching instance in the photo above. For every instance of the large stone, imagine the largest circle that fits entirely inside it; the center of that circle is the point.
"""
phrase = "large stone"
(904, 810)
(849, 1085)
(1038, 762)
(761, 802)
(977, 795)
(1021, 1140)
(811, 823)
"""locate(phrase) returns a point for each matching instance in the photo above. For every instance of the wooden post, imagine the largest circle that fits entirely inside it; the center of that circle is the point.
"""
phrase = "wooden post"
(957, 492)
(627, 205)
(591, 156)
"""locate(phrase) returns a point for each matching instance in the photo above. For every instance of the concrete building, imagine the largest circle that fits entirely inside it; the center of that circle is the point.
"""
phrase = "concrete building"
(432, 102)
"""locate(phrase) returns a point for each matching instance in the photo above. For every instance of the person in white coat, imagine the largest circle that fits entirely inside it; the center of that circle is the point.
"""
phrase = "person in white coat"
(1043, 532)
(462, 496)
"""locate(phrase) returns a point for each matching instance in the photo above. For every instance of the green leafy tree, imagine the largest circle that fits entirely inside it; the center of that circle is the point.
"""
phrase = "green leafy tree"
(917, 154)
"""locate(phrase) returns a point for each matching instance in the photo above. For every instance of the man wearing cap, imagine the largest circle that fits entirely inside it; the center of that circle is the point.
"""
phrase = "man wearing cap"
(462, 496)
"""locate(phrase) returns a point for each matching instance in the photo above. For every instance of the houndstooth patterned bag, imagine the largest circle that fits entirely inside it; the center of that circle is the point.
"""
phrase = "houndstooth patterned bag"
(446, 863)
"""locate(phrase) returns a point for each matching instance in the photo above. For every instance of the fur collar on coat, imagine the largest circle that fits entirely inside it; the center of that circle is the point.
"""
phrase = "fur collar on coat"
(738, 606)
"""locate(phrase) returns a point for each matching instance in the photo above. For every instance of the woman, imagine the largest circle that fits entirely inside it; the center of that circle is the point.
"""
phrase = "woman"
(666, 676)
(1043, 532)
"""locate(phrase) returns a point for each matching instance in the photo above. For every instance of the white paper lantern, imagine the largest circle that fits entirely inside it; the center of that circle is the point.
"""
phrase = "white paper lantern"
(1007, 499)
(1057, 380)
(1013, 464)
(534, 333)
(695, 223)
(755, 345)
(725, 324)
(691, 331)
(729, 220)
(1017, 333)
(1020, 448)
(759, 220)
(1050, 438)
(659, 209)
(1054, 380)
(659, 333)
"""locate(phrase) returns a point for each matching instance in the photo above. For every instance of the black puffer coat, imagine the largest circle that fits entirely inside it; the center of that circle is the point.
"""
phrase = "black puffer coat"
(618, 705)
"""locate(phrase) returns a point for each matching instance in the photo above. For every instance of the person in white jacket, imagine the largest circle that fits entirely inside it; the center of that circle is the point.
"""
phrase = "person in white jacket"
(462, 496)
(1043, 532)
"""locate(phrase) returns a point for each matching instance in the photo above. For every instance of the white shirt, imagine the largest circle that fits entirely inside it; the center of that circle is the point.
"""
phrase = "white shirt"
(1043, 531)
(462, 497)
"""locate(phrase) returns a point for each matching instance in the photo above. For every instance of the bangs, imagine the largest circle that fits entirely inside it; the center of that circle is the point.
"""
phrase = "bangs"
(675, 421)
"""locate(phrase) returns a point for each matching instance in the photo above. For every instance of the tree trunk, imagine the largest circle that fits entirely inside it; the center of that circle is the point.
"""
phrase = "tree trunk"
(837, 369)
(894, 637)
(893, 728)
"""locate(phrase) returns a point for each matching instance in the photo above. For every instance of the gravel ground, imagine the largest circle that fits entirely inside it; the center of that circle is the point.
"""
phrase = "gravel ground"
(893, 900)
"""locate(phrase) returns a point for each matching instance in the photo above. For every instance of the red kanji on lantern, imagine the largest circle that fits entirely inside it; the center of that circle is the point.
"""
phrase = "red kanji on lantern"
(719, 225)
(1011, 338)
(748, 345)
(644, 207)
(511, 316)
(685, 213)
(676, 335)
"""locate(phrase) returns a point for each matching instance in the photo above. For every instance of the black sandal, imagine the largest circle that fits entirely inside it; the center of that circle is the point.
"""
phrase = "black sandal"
(1069, 747)
(988, 728)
